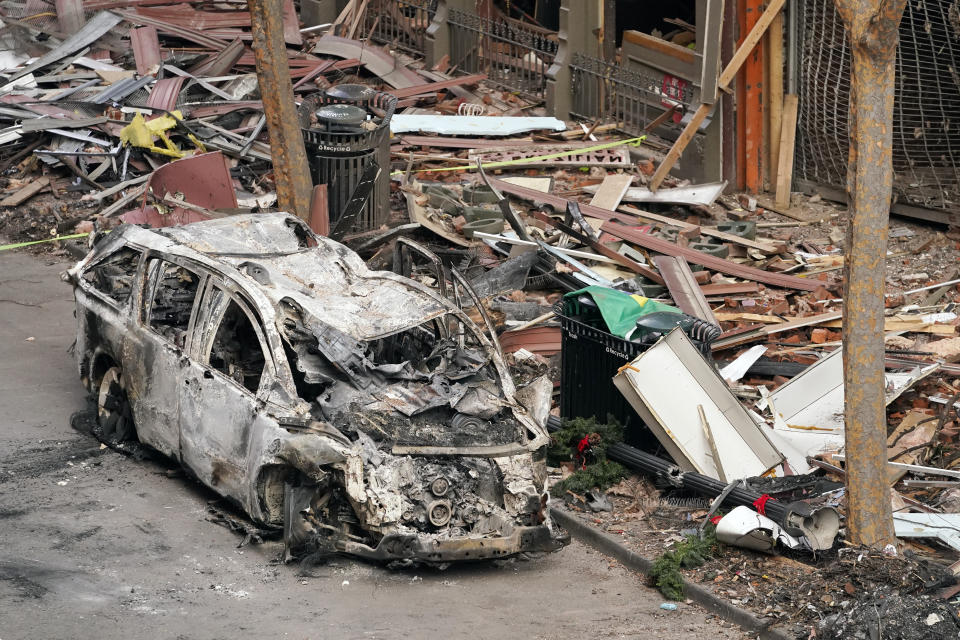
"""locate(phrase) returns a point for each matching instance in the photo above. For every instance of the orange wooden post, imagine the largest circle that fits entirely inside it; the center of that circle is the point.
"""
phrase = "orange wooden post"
(753, 106)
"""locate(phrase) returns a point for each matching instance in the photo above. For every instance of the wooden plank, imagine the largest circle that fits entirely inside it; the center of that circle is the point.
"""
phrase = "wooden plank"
(683, 287)
(746, 47)
(759, 245)
(788, 137)
(655, 217)
(681, 143)
(729, 288)
(662, 118)
(895, 325)
(774, 95)
(808, 217)
(433, 87)
(749, 317)
(25, 193)
(621, 226)
(799, 323)
(752, 104)
(611, 191)
(729, 72)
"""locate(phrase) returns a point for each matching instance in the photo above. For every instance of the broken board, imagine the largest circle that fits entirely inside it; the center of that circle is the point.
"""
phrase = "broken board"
(25, 193)
(611, 191)
(674, 369)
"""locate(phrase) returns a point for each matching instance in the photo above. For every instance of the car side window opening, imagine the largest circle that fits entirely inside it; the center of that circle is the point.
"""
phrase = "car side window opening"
(172, 303)
(114, 276)
(236, 351)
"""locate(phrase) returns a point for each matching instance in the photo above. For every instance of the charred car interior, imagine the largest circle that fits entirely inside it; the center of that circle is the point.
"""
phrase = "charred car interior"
(362, 412)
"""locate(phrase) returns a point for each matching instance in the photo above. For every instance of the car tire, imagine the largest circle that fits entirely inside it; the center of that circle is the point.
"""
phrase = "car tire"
(114, 416)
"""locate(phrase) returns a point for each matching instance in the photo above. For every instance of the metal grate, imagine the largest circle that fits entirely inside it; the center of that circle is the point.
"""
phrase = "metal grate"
(926, 118)
(512, 54)
(401, 24)
(609, 92)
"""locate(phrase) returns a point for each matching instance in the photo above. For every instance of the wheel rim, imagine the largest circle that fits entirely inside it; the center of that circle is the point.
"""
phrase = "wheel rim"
(113, 409)
(105, 394)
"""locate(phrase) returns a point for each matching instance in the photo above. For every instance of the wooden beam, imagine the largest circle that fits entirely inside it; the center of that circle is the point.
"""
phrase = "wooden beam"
(621, 226)
(743, 51)
(788, 137)
(752, 102)
(25, 193)
(681, 143)
(728, 73)
(774, 95)
(651, 43)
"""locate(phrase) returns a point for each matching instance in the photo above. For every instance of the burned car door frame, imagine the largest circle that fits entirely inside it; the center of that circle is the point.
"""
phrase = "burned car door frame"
(218, 412)
(403, 252)
(152, 360)
(112, 324)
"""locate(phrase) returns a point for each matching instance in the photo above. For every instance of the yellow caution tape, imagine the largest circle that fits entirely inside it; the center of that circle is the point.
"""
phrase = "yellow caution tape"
(17, 245)
(635, 142)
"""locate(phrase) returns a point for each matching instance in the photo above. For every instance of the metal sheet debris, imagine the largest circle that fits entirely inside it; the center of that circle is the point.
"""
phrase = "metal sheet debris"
(695, 194)
(472, 125)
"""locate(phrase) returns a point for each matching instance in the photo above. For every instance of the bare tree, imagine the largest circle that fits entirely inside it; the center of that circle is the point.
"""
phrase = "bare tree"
(873, 33)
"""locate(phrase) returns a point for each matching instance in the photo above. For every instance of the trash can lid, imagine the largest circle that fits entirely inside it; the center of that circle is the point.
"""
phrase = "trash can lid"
(341, 114)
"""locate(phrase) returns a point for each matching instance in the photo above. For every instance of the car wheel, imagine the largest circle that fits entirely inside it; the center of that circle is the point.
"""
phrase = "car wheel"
(113, 408)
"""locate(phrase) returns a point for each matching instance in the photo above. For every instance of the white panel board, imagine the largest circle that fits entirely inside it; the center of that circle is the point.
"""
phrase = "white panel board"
(666, 383)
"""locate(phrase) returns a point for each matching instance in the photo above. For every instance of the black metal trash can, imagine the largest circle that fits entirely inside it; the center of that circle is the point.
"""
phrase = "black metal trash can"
(589, 358)
(345, 130)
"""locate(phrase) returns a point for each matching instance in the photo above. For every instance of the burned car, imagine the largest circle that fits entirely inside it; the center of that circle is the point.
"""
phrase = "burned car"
(361, 411)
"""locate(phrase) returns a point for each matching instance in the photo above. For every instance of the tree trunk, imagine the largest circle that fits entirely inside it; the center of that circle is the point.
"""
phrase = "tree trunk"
(290, 169)
(872, 31)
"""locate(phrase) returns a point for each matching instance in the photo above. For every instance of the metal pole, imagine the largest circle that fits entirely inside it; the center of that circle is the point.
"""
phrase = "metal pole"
(290, 169)
(872, 31)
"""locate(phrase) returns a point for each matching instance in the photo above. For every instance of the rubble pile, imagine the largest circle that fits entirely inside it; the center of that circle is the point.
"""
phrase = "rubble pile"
(708, 325)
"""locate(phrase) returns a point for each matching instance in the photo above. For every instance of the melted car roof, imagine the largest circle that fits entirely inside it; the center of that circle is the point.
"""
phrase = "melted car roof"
(248, 234)
(329, 281)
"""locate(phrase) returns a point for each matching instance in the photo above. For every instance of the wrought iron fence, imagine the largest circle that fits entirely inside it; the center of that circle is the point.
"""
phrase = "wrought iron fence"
(513, 54)
(607, 92)
(401, 24)
(926, 135)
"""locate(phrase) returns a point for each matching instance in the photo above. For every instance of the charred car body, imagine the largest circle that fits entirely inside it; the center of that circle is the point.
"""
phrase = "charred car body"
(362, 411)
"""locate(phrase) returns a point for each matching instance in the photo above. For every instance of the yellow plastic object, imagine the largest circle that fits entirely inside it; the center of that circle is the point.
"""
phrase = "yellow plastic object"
(141, 133)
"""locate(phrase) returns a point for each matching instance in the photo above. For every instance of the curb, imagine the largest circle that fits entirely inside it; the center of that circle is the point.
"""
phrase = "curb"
(609, 545)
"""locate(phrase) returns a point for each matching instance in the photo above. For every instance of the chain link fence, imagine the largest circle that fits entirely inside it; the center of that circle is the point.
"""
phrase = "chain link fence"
(926, 117)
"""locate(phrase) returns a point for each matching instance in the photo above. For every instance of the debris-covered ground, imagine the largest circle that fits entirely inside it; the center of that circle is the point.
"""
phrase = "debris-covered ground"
(563, 243)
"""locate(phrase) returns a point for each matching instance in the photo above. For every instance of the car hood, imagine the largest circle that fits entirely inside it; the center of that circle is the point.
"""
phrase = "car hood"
(331, 283)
